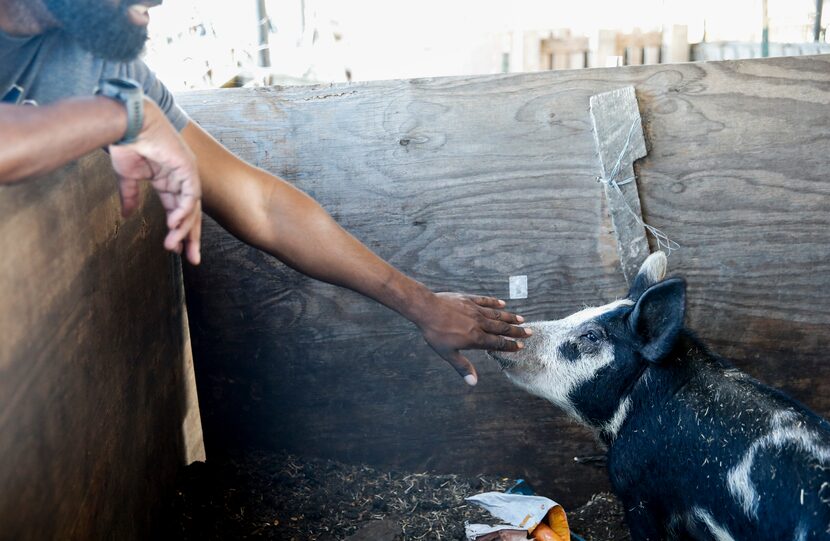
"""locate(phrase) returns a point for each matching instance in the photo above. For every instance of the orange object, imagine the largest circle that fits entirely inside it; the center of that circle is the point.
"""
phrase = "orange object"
(558, 522)
(543, 532)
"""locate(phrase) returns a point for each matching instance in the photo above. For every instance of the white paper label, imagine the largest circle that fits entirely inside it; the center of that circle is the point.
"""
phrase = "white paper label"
(518, 287)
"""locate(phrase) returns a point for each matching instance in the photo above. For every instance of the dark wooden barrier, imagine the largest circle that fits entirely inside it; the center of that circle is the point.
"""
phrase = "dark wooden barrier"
(462, 182)
(94, 361)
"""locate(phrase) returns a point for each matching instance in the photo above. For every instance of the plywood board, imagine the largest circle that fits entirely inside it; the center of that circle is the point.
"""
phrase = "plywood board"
(463, 182)
(93, 361)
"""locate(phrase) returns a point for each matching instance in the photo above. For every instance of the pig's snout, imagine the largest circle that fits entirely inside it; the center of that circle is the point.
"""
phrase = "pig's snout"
(517, 359)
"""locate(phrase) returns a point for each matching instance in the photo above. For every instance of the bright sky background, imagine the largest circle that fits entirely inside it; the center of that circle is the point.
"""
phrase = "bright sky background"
(396, 38)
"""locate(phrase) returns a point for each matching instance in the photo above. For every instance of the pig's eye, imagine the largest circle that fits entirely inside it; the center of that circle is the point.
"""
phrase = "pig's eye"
(591, 336)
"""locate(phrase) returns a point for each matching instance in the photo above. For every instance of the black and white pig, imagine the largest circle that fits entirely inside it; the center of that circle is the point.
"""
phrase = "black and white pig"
(696, 449)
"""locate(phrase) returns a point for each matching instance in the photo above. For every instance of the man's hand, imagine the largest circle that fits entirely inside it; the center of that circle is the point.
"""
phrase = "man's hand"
(453, 322)
(38, 140)
(160, 156)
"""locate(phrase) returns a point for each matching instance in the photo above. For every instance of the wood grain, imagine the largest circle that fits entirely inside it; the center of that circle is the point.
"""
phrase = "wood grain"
(462, 182)
(93, 352)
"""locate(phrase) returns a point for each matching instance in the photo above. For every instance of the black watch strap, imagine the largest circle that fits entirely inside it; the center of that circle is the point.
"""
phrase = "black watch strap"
(129, 93)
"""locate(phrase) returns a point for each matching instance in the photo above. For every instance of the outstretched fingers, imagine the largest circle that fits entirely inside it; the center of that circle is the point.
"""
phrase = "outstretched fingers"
(458, 322)
(487, 302)
(504, 329)
(495, 342)
(501, 315)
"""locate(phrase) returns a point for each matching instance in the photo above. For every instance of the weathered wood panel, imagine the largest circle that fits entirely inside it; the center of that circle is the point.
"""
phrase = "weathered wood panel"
(94, 354)
(462, 182)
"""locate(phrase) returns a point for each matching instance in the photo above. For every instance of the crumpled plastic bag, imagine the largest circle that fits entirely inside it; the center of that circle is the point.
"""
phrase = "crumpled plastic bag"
(510, 534)
(518, 511)
(475, 531)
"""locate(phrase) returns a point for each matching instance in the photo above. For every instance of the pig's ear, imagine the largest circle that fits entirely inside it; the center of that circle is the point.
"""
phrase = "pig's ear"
(651, 271)
(657, 318)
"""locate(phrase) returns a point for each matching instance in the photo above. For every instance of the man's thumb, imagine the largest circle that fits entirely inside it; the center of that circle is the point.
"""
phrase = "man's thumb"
(463, 366)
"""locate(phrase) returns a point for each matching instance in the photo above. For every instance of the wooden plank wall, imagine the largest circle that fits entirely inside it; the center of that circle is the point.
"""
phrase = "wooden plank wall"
(462, 182)
(95, 361)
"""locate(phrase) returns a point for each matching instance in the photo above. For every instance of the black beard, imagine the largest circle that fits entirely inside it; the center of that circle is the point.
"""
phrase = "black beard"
(99, 27)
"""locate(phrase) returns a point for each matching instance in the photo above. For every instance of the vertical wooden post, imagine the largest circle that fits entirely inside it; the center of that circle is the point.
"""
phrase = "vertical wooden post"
(678, 44)
(264, 28)
(606, 49)
(765, 31)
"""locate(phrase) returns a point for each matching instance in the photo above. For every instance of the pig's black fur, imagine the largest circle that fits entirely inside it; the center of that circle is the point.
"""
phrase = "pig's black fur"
(692, 418)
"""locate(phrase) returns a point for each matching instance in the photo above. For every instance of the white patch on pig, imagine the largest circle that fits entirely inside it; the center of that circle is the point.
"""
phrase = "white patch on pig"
(612, 427)
(787, 429)
(734, 373)
(654, 267)
(782, 417)
(720, 533)
(546, 373)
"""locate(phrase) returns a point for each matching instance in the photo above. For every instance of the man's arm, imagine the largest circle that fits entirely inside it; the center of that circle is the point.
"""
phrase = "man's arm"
(37, 140)
(272, 215)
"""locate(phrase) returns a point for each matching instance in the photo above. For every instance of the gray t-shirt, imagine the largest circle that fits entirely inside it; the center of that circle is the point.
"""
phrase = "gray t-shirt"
(50, 67)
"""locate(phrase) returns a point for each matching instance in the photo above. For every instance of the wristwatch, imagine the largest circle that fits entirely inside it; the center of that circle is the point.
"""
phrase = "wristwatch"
(130, 94)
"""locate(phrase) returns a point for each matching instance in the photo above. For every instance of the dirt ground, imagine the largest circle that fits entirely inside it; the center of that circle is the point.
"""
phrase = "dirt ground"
(282, 497)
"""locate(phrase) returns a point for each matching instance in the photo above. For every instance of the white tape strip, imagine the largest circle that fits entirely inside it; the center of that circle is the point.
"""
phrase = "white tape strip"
(518, 287)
